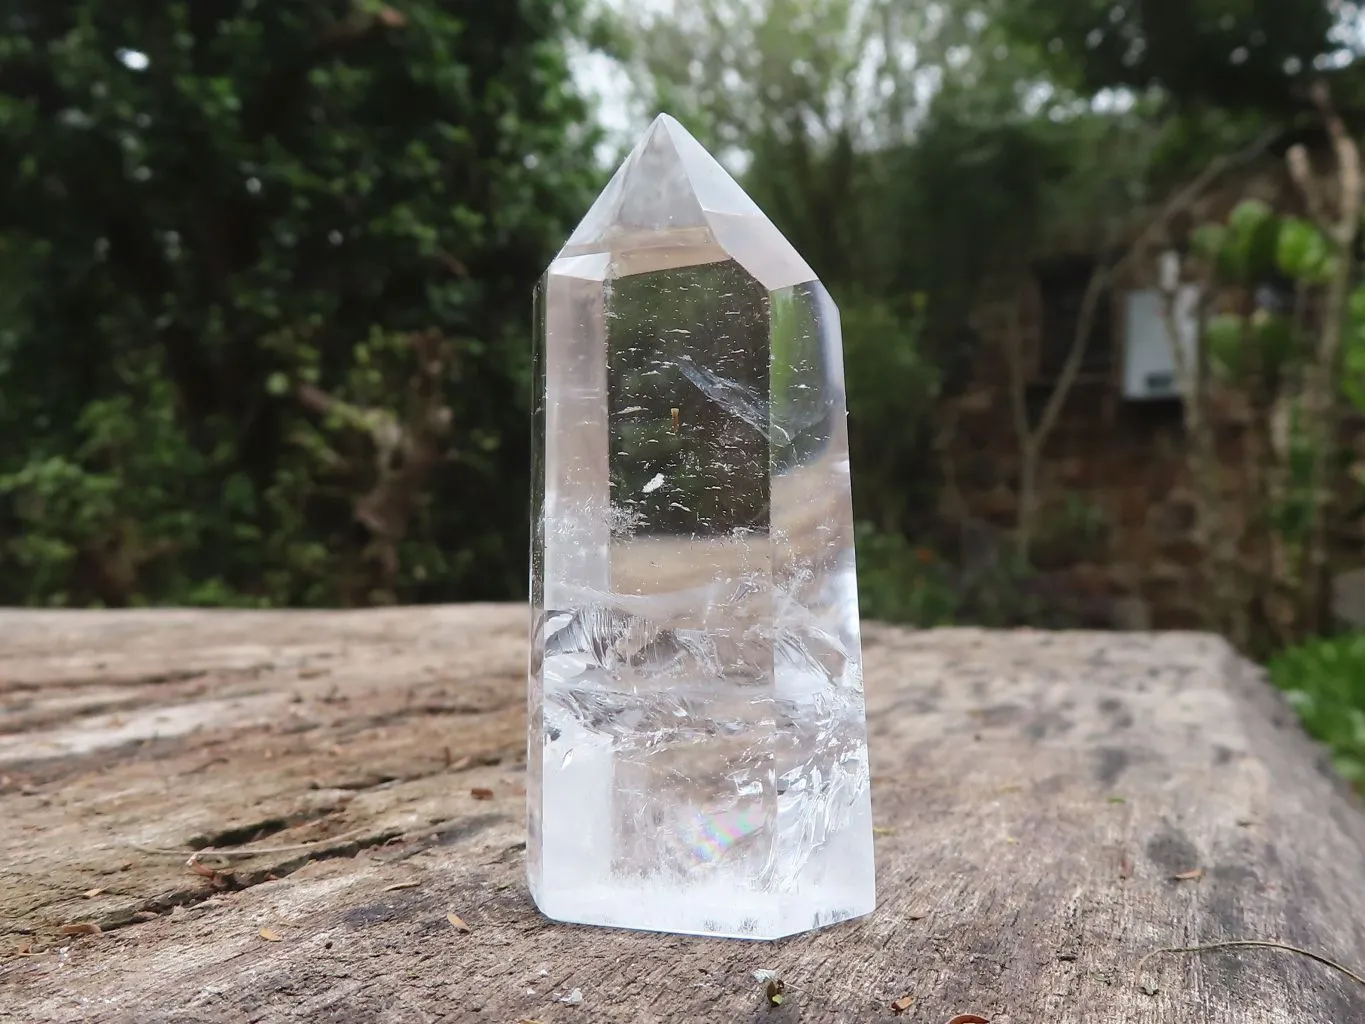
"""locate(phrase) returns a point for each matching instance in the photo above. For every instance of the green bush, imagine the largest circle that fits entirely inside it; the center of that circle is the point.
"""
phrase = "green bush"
(903, 582)
(893, 389)
(1324, 680)
(899, 582)
(265, 284)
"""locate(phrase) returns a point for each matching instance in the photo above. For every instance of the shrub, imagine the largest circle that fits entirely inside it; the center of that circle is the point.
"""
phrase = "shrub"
(1324, 680)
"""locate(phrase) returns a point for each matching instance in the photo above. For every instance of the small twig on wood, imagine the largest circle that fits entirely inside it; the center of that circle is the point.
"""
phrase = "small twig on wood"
(1242, 944)
(196, 855)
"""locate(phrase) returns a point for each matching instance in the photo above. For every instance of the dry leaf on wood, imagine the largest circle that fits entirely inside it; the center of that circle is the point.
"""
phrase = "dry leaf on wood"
(81, 928)
(457, 923)
(1189, 876)
(270, 935)
(90, 894)
(774, 991)
(481, 793)
(902, 1004)
(401, 885)
(970, 1018)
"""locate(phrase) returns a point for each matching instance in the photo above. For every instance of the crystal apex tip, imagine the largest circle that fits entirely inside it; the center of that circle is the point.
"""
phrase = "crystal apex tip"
(670, 183)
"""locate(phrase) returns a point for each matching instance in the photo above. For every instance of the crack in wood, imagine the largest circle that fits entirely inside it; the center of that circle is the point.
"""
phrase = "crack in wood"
(235, 880)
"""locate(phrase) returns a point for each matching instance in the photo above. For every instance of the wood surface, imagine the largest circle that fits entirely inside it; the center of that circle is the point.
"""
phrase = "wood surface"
(1036, 797)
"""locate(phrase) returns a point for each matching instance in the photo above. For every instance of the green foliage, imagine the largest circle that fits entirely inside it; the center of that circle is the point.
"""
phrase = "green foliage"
(1324, 680)
(1237, 56)
(892, 393)
(1303, 253)
(1353, 355)
(1290, 513)
(1251, 242)
(968, 178)
(1260, 346)
(764, 82)
(118, 507)
(264, 272)
(1073, 530)
(1223, 336)
(892, 209)
(899, 582)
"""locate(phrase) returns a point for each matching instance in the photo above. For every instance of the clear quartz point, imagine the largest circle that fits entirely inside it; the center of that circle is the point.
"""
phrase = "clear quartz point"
(697, 745)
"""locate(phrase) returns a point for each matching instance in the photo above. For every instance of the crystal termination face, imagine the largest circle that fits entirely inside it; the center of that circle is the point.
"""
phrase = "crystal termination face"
(697, 747)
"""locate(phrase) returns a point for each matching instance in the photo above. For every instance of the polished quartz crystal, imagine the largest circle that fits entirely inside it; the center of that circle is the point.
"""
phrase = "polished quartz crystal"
(697, 749)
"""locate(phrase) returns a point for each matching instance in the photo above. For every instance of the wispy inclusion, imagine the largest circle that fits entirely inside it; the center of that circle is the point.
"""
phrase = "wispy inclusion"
(697, 748)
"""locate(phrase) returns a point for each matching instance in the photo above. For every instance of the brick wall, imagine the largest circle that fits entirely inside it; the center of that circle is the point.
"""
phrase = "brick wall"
(1121, 462)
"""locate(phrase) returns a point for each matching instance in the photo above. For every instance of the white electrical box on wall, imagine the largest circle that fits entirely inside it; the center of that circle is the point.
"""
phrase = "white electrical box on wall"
(1149, 368)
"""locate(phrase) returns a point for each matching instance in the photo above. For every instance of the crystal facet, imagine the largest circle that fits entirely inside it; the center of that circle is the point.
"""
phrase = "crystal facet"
(697, 750)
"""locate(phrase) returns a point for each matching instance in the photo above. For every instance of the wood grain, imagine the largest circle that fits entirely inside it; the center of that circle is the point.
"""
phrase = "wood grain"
(1036, 796)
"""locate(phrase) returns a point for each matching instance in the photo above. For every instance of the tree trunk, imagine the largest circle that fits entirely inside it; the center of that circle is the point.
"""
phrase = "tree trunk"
(1321, 396)
(1027, 523)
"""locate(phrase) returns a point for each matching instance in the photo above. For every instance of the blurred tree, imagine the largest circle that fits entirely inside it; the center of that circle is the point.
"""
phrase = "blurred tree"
(805, 98)
(926, 156)
(265, 273)
(910, 151)
(1247, 55)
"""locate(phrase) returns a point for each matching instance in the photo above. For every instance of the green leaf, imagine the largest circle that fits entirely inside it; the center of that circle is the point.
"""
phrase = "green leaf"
(1302, 251)
(1249, 216)
(1252, 239)
(1207, 242)
(1275, 339)
(284, 215)
(1225, 335)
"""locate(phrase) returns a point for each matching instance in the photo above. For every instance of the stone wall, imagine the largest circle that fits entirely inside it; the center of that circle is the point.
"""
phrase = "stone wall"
(1117, 531)
(1117, 526)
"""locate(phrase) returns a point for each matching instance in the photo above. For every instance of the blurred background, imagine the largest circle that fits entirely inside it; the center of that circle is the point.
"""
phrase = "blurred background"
(265, 278)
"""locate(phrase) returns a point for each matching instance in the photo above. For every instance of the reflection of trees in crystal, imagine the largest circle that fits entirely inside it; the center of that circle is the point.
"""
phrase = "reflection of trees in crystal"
(695, 340)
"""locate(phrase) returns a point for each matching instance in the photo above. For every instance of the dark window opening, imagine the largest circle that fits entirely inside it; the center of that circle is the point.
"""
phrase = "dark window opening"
(1062, 286)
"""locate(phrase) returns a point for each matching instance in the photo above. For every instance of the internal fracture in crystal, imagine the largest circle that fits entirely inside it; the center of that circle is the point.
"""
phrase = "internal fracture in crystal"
(697, 750)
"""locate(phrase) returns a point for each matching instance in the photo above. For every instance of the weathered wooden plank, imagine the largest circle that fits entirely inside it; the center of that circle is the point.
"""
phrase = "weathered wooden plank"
(1037, 794)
